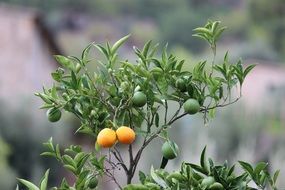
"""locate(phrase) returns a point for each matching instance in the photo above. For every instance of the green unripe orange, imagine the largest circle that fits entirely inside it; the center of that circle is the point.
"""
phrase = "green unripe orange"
(181, 85)
(169, 150)
(216, 186)
(191, 106)
(139, 99)
(208, 181)
(53, 114)
(93, 183)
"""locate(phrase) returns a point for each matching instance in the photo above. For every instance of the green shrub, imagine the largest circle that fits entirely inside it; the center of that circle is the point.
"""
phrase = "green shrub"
(121, 93)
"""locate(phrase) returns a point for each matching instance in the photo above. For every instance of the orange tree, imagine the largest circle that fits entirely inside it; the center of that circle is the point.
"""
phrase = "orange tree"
(122, 100)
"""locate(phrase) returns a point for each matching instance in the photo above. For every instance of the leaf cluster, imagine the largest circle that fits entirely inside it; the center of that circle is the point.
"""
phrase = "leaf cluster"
(103, 98)
(196, 177)
(84, 166)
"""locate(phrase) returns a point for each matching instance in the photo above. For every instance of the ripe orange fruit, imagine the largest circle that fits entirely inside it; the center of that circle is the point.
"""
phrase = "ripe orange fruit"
(125, 135)
(106, 138)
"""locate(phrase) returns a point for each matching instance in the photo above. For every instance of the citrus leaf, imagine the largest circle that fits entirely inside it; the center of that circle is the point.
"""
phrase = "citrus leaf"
(44, 181)
(275, 176)
(203, 161)
(157, 179)
(247, 167)
(119, 43)
(259, 167)
(64, 61)
(248, 69)
(28, 184)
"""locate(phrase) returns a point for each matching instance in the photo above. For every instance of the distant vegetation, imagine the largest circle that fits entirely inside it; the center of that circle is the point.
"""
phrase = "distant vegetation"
(260, 23)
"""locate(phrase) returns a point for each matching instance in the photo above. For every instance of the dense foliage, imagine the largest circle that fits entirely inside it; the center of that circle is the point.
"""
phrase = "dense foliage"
(208, 175)
(256, 32)
(122, 100)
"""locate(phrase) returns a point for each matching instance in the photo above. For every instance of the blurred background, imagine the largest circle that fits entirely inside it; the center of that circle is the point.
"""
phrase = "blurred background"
(31, 31)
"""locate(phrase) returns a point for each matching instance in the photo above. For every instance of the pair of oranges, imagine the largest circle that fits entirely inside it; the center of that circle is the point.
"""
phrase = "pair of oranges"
(108, 137)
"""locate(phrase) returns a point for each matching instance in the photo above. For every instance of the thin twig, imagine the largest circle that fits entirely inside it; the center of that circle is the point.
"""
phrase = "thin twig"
(220, 105)
(112, 176)
(166, 112)
(120, 161)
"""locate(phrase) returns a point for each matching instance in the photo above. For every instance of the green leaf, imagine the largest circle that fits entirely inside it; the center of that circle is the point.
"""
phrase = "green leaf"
(157, 178)
(102, 50)
(231, 170)
(82, 161)
(85, 54)
(197, 168)
(80, 182)
(74, 83)
(85, 82)
(28, 184)
(108, 48)
(139, 54)
(56, 76)
(146, 48)
(68, 160)
(203, 161)
(70, 168)
(247, 167)
(54, 92)
(65, 62)
(260, 167)
(275, 176)
(57, 150)
(164, 56)
(219, 32)
(119, 43)
(79, 157)
(49, 144)
(248, 69)
(157, 63)
(215, 26)
(48, 154)
(64, 185)
(45, 98)
(142, 177)
(203, 37)
(180, 65)
(44, 181)
(153, 50)
(203, 31)
(97, 147)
